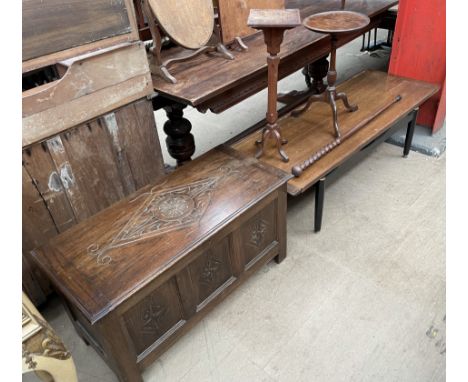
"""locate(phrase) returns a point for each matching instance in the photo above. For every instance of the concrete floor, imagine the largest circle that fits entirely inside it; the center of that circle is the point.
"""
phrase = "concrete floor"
(363, 300)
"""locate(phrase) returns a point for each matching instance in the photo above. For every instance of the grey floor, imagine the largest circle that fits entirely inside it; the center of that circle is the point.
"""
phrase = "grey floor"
(363, 300)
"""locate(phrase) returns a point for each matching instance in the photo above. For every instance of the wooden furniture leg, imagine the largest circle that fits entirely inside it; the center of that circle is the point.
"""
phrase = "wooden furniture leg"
(329, 95)
(281, 224)
(273, 23)
(180, 142)
(319, 198)
(315, 73)
(125, 367)
(410, 133)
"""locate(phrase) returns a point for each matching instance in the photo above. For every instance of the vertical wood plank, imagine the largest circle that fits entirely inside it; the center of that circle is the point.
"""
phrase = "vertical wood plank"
(140, 141)
(37, 227)
(187, 293)
(122, 161)
(88, 168)
(238, 260)
(46, 177)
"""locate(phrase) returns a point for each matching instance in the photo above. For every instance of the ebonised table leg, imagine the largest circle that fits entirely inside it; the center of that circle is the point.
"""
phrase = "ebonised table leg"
(319, 197)
(315, 73)
(180, 142)
(410, 133)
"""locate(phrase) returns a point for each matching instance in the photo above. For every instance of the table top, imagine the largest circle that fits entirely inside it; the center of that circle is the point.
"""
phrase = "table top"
(202, 81)
(189, 23)
(274, 18)
(370, 90)
(335, 22)
(103, 261)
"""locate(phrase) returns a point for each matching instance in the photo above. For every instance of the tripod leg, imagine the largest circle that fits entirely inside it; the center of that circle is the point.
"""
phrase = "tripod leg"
(313, 98)
(281, 152)
(335, 115)
(261, 142)
(283, 140)
(344, 98)
(220, 48)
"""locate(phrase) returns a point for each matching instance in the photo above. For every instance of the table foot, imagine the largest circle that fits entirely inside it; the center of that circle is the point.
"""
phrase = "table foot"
(342, 96)
(275, 133)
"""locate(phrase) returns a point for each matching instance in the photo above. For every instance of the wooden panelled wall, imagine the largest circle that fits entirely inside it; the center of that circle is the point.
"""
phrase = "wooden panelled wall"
(81, 171)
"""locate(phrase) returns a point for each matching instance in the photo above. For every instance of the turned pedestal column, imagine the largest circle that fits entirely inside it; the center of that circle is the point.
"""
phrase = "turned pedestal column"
(273, 23)
(333, 23)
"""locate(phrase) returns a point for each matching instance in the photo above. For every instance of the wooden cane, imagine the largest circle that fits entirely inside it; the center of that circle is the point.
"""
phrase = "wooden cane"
(298, 169)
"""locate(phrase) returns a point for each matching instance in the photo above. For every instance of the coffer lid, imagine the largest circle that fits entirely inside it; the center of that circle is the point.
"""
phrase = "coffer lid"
(104, 260)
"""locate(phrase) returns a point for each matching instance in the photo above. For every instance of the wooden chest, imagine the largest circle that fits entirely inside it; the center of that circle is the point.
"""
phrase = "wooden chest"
(139, 274)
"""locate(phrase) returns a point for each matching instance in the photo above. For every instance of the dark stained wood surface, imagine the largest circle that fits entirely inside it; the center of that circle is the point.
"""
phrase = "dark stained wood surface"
(215, 83)
(54, 25)
(313, 129)
(233, 16)
(51, 25)
(103, 261)
(188, 23)
(336, 22)
(76, 174)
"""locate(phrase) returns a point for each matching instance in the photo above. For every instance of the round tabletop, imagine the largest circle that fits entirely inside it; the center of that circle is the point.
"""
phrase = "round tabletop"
(334, 22)
(188, 23)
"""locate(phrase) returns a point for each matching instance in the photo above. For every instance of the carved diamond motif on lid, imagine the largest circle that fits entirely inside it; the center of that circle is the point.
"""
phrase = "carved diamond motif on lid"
(161, 212)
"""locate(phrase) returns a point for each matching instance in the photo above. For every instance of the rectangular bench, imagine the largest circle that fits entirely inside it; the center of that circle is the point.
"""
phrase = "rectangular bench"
(370, 90)
(139, 274)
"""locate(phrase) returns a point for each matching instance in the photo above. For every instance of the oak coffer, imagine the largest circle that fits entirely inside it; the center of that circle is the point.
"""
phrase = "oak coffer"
(139, 274)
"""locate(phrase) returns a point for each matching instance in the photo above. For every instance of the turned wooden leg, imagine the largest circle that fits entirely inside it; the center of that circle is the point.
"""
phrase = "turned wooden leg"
(315, 73)
(180, 142)
(313, 98)
(278, 139)
(342, 96)
(335, 114)
(261, 142)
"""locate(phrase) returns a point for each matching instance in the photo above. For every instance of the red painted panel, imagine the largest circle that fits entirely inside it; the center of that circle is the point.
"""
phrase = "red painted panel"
(419, 46)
